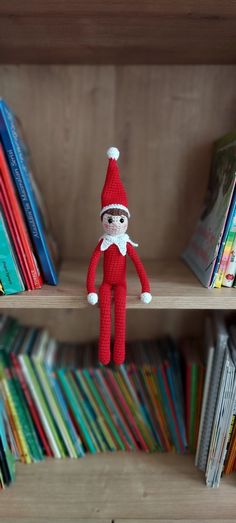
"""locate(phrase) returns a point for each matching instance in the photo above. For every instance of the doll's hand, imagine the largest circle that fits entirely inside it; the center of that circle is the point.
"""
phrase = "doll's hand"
(146, 297)
(92, 298)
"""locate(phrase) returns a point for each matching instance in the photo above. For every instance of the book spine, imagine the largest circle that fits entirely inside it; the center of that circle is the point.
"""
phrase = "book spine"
(10, 277)
(110, 431)
(230, 271)
(126, 410)
(75, 407)
(77, 443)
(20, 229)
(150, 381)
(52, 402)
(39, 400)
(225, 259)
(109, 443)
(15, 239)
(114, 410)
(32, 408)
(20, 175)
(16, 424)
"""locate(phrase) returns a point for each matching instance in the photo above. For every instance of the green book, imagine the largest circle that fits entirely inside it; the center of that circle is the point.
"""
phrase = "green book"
(10, 278)
(54, 407)
(42, 407)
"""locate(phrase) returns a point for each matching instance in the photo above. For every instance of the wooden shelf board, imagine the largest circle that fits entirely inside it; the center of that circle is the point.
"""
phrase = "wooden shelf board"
(173, 287)
(58, 31)
(114, 486)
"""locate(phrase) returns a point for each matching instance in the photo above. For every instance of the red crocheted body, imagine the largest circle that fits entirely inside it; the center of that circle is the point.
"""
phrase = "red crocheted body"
(114, 266)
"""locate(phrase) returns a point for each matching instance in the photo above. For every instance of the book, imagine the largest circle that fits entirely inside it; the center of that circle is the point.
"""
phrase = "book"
(21, 175)
(222, 421)
(10, 276)
(226, 255)
(205, 248)
(220, 337)
(20, 235)
(230, 271)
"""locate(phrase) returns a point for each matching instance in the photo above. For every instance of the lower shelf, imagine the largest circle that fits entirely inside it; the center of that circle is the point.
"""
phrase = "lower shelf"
(112, 486)
(173, 286)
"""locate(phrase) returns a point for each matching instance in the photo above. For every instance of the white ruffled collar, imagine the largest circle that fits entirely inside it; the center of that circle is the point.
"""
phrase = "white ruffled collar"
(120, 241)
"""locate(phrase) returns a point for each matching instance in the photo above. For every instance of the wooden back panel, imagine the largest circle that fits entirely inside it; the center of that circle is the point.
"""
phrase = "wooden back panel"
(163, 119)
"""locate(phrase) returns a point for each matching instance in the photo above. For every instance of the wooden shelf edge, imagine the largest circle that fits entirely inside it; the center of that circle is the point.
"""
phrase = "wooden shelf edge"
(173, 286)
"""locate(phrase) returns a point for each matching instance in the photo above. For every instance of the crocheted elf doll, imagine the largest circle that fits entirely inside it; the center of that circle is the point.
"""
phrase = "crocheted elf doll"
(115, 244)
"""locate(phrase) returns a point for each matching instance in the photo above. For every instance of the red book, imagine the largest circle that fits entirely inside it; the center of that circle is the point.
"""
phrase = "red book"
(20, 235)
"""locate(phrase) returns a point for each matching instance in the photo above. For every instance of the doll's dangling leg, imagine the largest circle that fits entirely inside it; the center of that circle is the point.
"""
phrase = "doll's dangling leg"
(120, 324)
(104, 350)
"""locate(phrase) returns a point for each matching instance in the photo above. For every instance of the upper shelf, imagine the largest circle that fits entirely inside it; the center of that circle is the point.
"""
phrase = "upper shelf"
(118, 31)
(173, 286)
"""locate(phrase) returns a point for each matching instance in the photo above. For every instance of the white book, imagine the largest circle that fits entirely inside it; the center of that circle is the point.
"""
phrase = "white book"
(221, 424)
(220, 340)
(209, 350)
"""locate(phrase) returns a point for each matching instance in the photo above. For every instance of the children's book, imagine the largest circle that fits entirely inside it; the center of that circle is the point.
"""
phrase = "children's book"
(230, 271)
(11, 281)
(16, 154)
(16, 223)
(204, 251)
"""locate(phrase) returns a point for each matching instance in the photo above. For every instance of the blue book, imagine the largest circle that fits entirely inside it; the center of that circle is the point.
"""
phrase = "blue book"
(15, 154)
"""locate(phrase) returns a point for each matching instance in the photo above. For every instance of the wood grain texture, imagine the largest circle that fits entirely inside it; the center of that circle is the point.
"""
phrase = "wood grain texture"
(118, 485)
(173, 286)
(164, 120)
(55, 520)
(118, 31)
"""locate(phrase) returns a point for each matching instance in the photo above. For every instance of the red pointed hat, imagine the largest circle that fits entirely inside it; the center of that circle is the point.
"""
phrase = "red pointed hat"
(113, 193)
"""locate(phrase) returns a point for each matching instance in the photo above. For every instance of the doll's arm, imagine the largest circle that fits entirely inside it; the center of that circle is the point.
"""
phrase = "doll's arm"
(91, 274)
(145, 296)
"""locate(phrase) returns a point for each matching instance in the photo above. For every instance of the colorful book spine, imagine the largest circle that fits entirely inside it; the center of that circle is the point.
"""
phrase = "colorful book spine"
(10, 277)
(32, 408)
(22, 178)
(68, 389)
(54, 407)
(20, 233)
(44, 412)
(230, 271)
(226, 254)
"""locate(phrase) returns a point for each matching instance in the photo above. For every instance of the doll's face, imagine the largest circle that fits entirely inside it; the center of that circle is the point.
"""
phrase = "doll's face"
(114, 224)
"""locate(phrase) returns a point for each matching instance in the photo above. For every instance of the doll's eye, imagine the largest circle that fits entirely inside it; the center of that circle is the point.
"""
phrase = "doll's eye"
(109, 220)
(122, 220)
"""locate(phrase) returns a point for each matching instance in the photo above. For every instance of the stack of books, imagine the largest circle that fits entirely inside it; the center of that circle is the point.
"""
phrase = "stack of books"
(211, 252)
(216, 448)
(58, 402)
(25, 258)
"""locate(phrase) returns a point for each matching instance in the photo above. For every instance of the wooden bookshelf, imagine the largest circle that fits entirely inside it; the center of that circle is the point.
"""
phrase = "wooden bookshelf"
(162, 487)
(57, 31)
(173, 286)
(83, 76)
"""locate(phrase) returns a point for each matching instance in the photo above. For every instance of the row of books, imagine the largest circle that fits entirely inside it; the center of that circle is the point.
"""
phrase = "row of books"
(170, 396)
(57, 402)
(26, 260)
(211, 252)
(216, 448)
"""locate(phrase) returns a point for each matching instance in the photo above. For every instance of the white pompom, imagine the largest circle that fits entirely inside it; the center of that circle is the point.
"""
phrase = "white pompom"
(113, 153)
(146, 297)
(92, 298)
